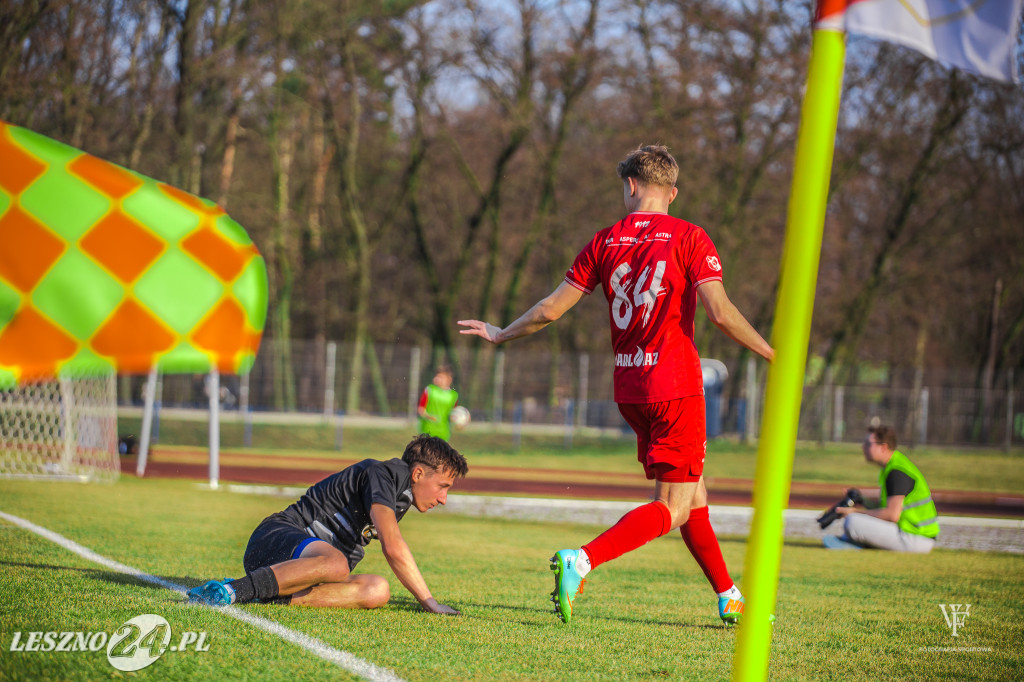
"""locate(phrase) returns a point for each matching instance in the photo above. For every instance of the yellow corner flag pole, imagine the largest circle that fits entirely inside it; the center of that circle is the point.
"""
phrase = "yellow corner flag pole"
(791, 332)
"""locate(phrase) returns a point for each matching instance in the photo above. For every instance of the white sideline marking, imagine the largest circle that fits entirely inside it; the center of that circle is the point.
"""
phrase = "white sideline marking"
(342, 659)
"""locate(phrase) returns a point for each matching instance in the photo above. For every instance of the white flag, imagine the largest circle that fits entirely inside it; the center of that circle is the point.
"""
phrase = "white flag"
(975, 35)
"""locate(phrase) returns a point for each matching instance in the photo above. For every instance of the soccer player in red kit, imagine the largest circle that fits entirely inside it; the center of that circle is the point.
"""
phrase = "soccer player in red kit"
(652, 268)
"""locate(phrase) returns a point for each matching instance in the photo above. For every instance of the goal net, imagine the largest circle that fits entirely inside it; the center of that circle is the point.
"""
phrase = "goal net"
(64, 428)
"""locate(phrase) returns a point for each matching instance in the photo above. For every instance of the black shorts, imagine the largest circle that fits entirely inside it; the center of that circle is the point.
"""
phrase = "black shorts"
(278, 539)
(274, 540)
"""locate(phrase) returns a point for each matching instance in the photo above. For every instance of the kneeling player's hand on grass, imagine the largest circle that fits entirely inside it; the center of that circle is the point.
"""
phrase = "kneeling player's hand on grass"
(432, 606)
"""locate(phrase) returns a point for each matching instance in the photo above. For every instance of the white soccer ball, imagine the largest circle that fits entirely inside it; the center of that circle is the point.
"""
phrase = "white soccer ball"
(459, 417)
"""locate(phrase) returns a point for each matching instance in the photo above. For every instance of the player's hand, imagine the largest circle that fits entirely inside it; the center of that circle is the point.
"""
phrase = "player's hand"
(484, 330)
(433, 606)
(843, 511)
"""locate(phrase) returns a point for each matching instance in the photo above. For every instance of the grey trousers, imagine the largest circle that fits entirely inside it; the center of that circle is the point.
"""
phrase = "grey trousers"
(871, 532)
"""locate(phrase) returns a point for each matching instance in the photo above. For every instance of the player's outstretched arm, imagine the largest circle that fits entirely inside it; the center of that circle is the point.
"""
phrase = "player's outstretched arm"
(400, 558)
(543, 313)
(726, 317)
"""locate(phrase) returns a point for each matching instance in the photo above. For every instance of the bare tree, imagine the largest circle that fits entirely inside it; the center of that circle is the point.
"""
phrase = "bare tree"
(403, 163)
(841, 348)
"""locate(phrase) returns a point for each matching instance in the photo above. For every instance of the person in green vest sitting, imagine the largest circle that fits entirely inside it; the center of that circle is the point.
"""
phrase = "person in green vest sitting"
(906, 519)
(436, 404)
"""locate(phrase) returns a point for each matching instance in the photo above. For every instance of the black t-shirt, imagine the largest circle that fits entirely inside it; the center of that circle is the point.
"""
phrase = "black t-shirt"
(897, 483)
(337, 509)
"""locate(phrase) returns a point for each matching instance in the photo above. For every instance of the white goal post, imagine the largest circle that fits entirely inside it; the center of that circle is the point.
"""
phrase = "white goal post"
(64, 428)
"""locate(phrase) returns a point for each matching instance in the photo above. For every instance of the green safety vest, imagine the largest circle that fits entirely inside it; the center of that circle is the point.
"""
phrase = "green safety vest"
(919, 515)
(440, 402)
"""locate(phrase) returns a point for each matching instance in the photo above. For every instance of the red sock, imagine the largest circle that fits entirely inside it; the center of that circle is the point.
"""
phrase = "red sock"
(633, 530)
(700, 538)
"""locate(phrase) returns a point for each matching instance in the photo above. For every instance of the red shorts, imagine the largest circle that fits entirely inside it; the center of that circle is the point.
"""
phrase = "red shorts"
(671, 437)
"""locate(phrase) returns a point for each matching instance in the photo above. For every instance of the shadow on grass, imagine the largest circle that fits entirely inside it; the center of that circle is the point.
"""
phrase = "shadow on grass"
(406, 604)
(116, 578)
(409, 604)
(806, 543)
(400, 603)
(107, 576)
(793, 542)
(50, 567)
(113, 577)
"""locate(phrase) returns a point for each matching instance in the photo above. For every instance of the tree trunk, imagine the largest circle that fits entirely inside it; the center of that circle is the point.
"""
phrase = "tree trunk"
(979, 433)
(227, 164)
(149, 110)
(915, 416)
(184, 119)
(283, 145)
(349, 141)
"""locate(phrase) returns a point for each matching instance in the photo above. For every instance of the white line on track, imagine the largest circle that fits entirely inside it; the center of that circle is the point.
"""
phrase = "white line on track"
(342, 659)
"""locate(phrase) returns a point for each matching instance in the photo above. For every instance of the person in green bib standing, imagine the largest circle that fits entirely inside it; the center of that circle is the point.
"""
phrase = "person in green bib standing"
(436, 404)
(906, 519)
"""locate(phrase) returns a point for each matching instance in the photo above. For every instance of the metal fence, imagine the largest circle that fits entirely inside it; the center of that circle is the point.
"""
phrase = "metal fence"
(530, 386)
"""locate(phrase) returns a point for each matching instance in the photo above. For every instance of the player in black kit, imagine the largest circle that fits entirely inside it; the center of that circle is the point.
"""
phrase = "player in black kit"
(305, 554)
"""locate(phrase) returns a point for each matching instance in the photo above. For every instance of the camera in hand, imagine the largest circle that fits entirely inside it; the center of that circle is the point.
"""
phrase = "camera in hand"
(852, 498)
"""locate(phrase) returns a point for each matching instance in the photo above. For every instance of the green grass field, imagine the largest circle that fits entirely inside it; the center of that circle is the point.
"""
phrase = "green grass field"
(648, 615)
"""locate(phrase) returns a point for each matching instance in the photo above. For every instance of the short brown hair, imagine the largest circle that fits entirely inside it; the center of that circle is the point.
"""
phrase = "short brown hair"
(435, 453)
(650, 164)
(884, 434)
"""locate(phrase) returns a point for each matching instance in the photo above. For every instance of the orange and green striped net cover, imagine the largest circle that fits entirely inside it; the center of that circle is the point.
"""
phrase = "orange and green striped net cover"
(103, 269)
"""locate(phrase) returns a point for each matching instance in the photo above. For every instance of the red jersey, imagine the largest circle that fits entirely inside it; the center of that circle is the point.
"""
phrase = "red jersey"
(650, 265)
